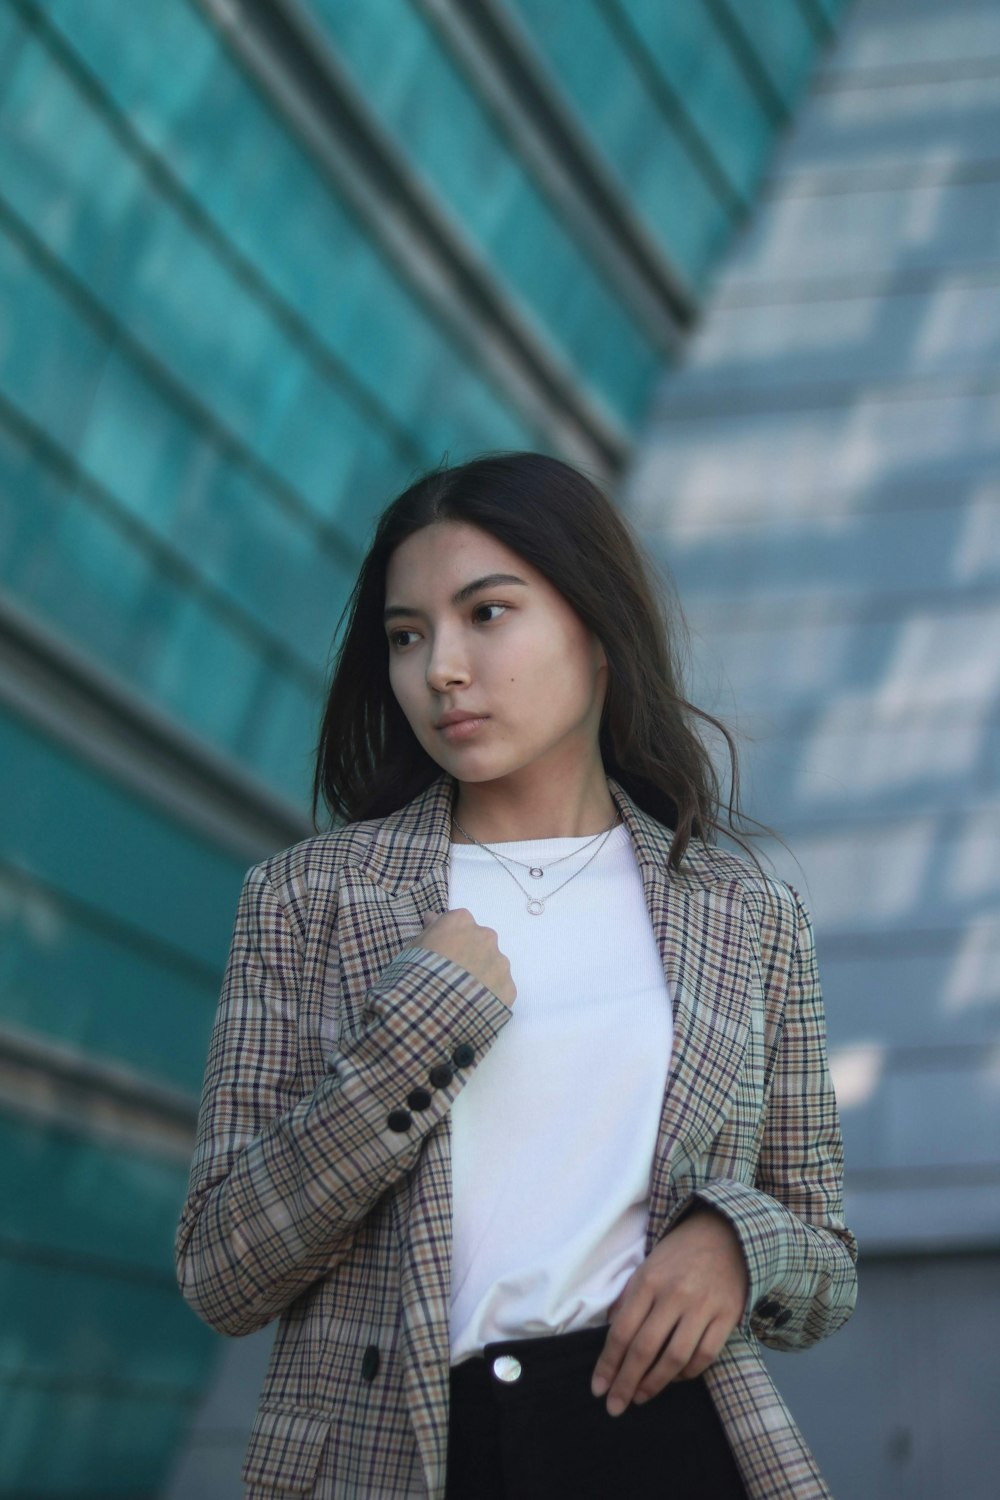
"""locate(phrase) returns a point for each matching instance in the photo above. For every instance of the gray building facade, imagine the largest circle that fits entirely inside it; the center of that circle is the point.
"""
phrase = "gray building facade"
(821, 477)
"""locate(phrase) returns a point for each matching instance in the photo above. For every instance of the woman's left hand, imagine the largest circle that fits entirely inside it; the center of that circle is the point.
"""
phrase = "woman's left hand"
(675, 1312)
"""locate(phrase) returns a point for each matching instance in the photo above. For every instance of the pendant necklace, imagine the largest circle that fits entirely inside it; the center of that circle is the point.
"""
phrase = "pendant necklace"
(536, 904)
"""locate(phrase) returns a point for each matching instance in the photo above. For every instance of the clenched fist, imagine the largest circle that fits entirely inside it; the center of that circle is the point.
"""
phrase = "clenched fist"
(458, 936)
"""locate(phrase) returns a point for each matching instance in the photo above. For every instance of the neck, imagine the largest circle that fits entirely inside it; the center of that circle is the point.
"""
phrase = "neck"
(495, 812)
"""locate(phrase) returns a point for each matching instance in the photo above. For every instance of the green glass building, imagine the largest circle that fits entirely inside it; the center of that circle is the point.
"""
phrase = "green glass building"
(262, 261)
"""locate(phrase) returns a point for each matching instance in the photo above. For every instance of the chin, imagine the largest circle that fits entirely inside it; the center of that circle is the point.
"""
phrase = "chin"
(496, 771)
(466, 770)
(469, 766)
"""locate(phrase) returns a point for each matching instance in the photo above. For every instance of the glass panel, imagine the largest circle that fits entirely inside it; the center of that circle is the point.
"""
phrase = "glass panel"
(627, 124)
(94, 1209)
(49, 365)
(95, 1336)
(66, 972)
(783, 40)
(455, 142)
(188, 900)
(263, 554)
(181, 93)
(683, 45)
(284, 731)
(119, 1442)
(832, 9)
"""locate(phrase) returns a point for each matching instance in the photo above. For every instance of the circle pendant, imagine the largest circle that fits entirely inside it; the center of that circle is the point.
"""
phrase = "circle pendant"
(536, 873)
(536, 908)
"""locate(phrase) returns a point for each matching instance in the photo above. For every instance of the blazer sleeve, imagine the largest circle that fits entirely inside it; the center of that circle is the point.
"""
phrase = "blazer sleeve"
(281, 1180)
(800, 1255)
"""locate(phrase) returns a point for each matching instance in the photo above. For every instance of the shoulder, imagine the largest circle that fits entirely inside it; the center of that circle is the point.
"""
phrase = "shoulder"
(295, 877)
(774, 917)
(770, 901)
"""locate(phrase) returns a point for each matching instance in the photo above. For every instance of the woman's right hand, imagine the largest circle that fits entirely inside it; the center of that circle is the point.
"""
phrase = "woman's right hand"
(458, 936)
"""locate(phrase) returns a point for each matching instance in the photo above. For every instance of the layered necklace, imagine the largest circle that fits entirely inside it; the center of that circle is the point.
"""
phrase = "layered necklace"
(536, 904)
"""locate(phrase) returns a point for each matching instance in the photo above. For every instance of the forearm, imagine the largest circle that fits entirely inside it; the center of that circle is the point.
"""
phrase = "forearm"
(259, 1227)
(800, 1255)
(802, 1282)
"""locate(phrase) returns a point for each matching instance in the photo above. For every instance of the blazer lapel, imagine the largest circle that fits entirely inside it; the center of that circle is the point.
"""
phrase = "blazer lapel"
(373, 924)
(699, 927)
(387, 895)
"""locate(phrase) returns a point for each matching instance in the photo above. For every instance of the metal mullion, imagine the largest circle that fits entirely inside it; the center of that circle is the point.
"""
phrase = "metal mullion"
(107, 1385)
(56, 1085)
(817, 20)
(59, 1257)
(749, 60)
(110, 928)
(673, 108)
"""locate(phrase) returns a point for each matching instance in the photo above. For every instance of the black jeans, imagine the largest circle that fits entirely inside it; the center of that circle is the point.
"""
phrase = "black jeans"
(544, 1435)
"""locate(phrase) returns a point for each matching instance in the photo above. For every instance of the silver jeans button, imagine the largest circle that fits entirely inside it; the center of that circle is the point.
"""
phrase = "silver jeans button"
(506, 1367)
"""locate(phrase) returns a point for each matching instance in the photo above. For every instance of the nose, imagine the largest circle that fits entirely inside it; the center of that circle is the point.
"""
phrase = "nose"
(447, 665)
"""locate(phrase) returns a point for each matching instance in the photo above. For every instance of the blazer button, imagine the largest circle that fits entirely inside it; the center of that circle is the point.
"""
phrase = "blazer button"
(370, 1362)
(767, 1308)
(399, 1120)
(464, 1055)
(441, 1075)
(419, 1099)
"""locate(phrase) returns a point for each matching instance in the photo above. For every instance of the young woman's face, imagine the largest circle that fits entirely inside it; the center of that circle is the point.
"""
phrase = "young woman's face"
(474, 629)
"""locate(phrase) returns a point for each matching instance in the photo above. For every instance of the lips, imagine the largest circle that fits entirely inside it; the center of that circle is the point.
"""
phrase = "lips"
(456, 727)
(457, 716)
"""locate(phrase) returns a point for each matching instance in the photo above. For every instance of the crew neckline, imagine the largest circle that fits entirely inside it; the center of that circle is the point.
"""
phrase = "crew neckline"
(579, 839)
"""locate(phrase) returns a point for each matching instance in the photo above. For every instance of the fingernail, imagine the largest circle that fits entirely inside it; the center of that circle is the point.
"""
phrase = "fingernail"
(615, 1406)
(598, 1385)
(639, 1398)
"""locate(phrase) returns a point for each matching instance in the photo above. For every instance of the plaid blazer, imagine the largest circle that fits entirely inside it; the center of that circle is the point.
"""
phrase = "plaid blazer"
(305, 1206)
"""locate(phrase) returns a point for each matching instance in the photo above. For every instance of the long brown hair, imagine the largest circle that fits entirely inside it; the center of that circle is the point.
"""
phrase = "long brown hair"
(368, 760)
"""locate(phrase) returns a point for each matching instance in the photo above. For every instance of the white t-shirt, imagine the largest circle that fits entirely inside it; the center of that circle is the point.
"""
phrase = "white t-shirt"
(553, 1136)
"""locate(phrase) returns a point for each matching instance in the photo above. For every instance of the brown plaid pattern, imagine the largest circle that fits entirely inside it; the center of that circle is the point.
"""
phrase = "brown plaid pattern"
(303, 1204)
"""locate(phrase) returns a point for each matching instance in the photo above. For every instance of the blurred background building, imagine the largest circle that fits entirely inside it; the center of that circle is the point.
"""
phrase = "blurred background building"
(263, 260)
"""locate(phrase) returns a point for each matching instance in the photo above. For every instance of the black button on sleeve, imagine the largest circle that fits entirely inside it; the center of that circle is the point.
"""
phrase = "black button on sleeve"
(419, 1099)
(441, 1075)
(370, 1362)
(399, 1120)
(464, 1056)
(767, 1308)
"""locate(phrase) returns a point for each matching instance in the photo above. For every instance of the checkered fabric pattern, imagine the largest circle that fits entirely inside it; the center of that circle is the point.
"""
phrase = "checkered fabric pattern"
(304, 1205)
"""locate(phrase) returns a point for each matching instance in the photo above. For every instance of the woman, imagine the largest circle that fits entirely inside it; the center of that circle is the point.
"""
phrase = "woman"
(517, 1109)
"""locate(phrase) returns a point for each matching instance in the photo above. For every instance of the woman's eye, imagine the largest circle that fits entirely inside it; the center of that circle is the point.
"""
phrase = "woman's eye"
(488, 606)
(394, 637)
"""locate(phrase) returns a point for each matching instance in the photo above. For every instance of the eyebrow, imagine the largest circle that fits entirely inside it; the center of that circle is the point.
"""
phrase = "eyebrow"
(488, 581)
